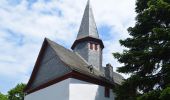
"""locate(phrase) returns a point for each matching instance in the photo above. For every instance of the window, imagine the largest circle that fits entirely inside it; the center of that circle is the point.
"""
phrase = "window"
(91, 46)
(96, 46)
(107, 92)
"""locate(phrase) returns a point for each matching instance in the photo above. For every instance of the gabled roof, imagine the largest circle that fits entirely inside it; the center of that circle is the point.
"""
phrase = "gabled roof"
(88, 25)
(77, 63)
(71, 59)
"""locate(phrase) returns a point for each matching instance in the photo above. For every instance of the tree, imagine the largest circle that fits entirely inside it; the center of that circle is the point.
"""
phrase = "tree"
(165, 94)
(153, 95)
(147, 58)
(156, 95)
(3, 97)
(17, 92)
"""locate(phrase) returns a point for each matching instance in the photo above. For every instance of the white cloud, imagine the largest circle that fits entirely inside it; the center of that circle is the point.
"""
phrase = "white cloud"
(57, 20)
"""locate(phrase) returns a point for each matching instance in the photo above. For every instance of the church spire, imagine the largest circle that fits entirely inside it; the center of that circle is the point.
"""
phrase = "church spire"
(88, 45)
(88, 26)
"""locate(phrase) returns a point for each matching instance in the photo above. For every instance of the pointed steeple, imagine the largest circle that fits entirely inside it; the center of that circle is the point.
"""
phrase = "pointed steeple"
(88, 29)
(88, 26)
(88, 44)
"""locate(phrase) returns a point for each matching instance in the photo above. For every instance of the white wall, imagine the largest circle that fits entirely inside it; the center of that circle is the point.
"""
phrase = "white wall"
(71, 89)
(59, 91)
(80, 90)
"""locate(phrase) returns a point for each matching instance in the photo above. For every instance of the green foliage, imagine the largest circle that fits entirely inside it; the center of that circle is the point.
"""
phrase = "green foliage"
(165, 95)
(147, 58)
(17, 92)
(156, 95)
(124, 95)
(153, 95)
(3, 97)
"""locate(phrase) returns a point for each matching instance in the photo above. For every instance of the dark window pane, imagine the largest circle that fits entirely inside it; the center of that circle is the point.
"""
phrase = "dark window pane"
(91, 46)
(96, 46)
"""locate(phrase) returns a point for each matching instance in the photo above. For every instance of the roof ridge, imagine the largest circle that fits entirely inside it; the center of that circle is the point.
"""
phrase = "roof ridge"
(57, 44)
(51, 43)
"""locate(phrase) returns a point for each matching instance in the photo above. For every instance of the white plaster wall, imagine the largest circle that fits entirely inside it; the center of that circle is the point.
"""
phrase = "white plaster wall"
(71, 89)
(58, 91)
(80, 90)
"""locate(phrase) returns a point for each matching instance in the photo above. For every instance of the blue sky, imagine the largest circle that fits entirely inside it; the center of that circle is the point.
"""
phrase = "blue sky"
(25, 23)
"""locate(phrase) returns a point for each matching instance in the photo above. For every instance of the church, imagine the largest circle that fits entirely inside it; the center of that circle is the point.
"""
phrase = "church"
(77, 74)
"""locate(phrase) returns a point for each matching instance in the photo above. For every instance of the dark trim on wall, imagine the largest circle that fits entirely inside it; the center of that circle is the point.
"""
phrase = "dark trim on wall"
(48, 83)
(90, 79)
(88, 39)
(107, 92)
(75, 75)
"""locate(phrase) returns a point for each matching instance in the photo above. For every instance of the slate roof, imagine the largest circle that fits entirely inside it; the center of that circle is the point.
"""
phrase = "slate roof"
(88, 26)
(73, 60)
(77, 63)
(118, 79)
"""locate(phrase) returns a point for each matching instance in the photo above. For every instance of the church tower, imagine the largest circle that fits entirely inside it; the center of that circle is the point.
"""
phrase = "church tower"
(88, 44)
